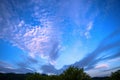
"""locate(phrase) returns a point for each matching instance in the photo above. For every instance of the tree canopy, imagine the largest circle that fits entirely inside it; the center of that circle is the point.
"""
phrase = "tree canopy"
(72, 73)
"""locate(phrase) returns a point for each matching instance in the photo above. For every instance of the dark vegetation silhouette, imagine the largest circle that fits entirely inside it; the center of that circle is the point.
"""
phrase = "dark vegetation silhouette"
(72, 73)
(115, 76)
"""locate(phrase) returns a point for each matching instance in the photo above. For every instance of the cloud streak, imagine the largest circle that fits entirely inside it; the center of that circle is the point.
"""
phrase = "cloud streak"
(92, 57)
(91, 60)
(7, 68)
(101, 66)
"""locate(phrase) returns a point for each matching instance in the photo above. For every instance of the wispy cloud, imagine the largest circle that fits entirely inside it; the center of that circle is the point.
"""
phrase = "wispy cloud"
(49, 69)
(103, 47)
(112, 69)
(21, 23)
(87, 32)
(91, 60)
(99, 66)
(6, 68)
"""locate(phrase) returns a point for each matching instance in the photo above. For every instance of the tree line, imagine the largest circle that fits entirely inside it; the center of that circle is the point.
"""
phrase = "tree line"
(72, 73)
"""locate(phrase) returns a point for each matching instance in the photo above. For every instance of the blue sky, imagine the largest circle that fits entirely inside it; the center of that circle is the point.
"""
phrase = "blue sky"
(48, 36)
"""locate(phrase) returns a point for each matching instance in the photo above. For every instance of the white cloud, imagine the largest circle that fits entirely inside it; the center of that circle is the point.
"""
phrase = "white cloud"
(36, 40)
(90, 25)
(88, 29)
(21, 23)
(99, 66)
(6, 65)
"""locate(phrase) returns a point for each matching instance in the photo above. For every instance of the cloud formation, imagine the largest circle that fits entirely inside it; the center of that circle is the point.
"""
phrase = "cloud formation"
(35, 32)
(7, 68)
(41, 28)
(36, 39)
(91, 60)
(87, 32)
(49, 69)
(101, 66)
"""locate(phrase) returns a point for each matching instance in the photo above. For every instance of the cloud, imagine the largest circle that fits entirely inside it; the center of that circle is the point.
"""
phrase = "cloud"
(87, 32)
(32, 60)
(112, 69)
(54, 53)
(18, 70)
(35, 32)
(5, 64)
(49, 69)
(99, 66)
(104, 46)
(90, 61)
(112, 56)
(21, 23)
(6, 68)
(82, 18)
(29, 63)
(36, 39)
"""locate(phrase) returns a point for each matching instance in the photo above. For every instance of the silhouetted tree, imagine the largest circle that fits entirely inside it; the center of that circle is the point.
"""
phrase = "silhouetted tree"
(115, 75)
(74, 73)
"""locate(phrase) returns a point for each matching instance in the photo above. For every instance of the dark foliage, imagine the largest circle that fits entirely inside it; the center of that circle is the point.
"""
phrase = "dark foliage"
(72, 73)
(12, 76)
(115, 76)
(100, 78)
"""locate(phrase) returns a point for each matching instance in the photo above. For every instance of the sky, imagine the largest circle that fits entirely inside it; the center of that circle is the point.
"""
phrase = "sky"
(48, 36)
